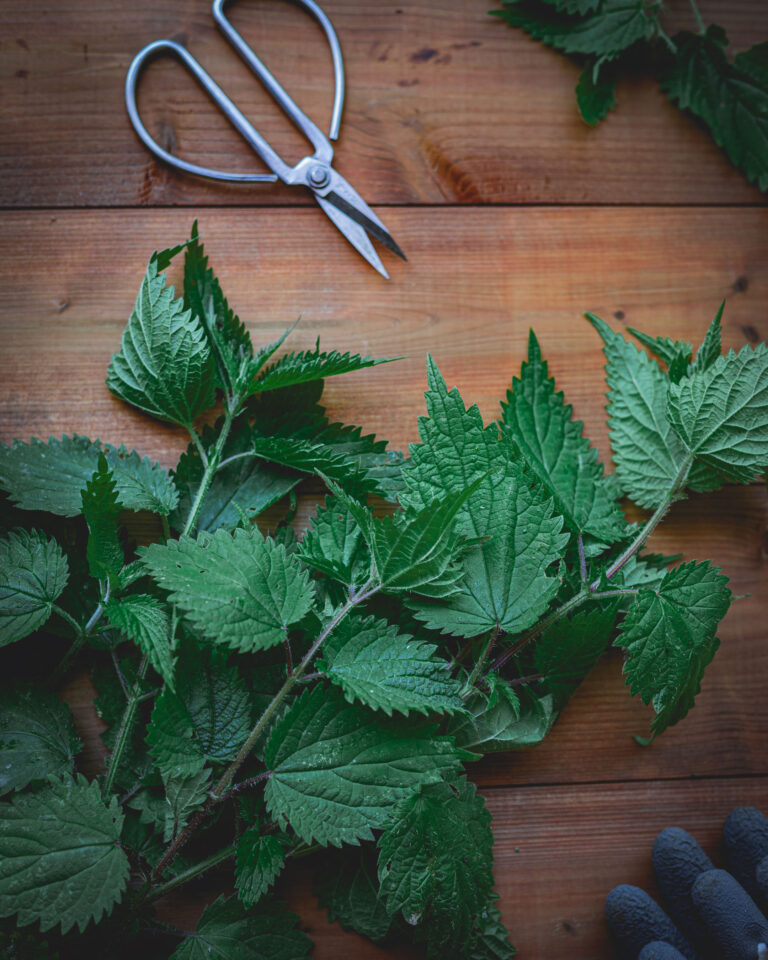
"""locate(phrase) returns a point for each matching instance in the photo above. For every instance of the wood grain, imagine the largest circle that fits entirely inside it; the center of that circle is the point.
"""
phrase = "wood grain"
(476, 281)
(445, 105)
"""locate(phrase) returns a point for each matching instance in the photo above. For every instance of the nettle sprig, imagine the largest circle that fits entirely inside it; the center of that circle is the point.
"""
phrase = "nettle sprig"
(267, 697)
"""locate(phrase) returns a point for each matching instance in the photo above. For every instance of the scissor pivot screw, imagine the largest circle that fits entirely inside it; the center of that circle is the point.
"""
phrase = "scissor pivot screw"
(319, 176)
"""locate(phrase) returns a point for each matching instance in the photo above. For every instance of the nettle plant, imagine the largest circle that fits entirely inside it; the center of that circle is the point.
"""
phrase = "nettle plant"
(268, 697)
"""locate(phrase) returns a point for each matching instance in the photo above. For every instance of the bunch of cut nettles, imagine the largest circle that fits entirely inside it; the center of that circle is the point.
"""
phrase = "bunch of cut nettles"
(727, 93)
(268, 697)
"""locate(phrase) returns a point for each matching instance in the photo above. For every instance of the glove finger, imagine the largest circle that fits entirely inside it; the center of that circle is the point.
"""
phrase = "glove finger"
(658, 950)
(761, 877)
(636, 920)
(745, 833)
(677, 862)
(731, 915)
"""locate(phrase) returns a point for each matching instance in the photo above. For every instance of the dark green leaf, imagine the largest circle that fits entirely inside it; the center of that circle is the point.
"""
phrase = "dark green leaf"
(307, 365)
(260, 858)
(348, 888)
(144, 620)
(594, 96)
(37, 738)
(101, 509)
(185, 794)
(33, 572)
(567, 651)
(335, 545)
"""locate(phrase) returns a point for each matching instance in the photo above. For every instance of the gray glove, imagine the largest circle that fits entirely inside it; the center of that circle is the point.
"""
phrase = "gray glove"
(712, 914)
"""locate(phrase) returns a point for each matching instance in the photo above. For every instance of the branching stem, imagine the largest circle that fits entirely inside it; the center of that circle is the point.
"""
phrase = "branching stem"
(195, 871)
(124, 731)
(212, 463)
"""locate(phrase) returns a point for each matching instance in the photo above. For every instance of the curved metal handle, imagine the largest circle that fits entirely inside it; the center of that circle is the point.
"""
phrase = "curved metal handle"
(236, 118)
(298, 116)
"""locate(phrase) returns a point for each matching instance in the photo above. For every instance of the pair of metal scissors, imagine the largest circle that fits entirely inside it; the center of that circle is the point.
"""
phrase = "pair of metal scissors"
(340, 201)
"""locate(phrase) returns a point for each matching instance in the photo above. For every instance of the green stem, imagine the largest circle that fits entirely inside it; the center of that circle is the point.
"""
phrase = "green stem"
(493, 636)
(697, 15)
(212, 464)
(199, 868)
(79, 631)
(124, 731)
(198, 444)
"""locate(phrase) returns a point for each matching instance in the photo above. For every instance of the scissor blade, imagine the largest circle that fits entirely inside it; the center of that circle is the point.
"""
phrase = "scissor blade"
(354, 233)
(348, 200)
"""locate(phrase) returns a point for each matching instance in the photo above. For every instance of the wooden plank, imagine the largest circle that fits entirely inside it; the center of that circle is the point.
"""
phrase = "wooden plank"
(445, 105)
(477, 279)
(558, 852)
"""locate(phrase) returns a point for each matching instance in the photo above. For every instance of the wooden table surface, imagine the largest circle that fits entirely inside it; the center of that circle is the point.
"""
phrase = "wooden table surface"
(464, 135)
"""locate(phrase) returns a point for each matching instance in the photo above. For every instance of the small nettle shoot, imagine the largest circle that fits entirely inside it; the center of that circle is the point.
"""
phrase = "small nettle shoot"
(268, 695)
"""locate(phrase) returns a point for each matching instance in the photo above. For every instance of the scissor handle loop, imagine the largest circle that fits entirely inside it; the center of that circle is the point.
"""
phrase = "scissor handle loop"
(253, 137)
(298, 117)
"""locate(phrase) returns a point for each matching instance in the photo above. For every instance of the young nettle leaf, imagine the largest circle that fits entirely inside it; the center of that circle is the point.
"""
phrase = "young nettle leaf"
(348, 888)
(512, 721)
(144, 620)
(722, 414)
(60, 858)
(335, 544)
(307, 365)
(33, 572)
(669, 635)
(676, 354)
(711, 345)
(542, 427)
(436, 861)
(604, 29)
(101, 509)
(227, 930)
(260, 858)
(336, 771)
(505, 582)
(238, 589)
(37, 738)
(647, 452)
(50, 476)
(185, 794)
(732, 99)
(378, 666)
(165, 365)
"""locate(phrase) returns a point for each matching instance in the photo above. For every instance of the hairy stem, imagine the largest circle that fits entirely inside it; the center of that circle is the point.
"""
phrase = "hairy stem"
(212, 463)
(124, 730)
(245, 785)
(697, 14)
(493, 636)
(199, 868)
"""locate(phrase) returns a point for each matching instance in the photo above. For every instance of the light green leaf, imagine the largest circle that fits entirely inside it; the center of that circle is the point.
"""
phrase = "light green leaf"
(722, 414)
(165, 366)
(334, 544)
(669, 635)
(676, 354)
(647, 452)
(185, 794)
(509, 723)
(37, 738)
(614, 26)
(436, 861)
(60, 856)
(239, 589)
(144, 620)
(336, 772)
(347, 887)
(506, 580)
(594, 96)
(566, 651)
(307, 365)
(207, 718)
(101, 509)
(227, 931)
(260, 858)
(378, 666)
(49, 476)
(542, 426)
(732, 99)
(33, 572)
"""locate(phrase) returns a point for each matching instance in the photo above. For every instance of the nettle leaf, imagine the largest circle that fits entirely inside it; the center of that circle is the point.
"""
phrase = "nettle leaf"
(37, 738)
(247, 483)
(669, 635)
(732, 99)
(574, 6)
(378, 666)
(566, 651)
(552, 442)
(505, 582)
(206, 719)
(238, 589)
(60, 856)
(101, 509)
(722, 414)
(49, 476)
(490, 939)
(307, 365)
(33, 572)
(227, 931)
(185, 794)
(647, 452)
(509, 722)
(615, 25)
(436, 860)
(335, 545)
(676, 354)
(595, 96)
(165, 366)
(711, 345)
(260, 858)
(348, 888)
(144, 619)
(229, 339)
(336, 771)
